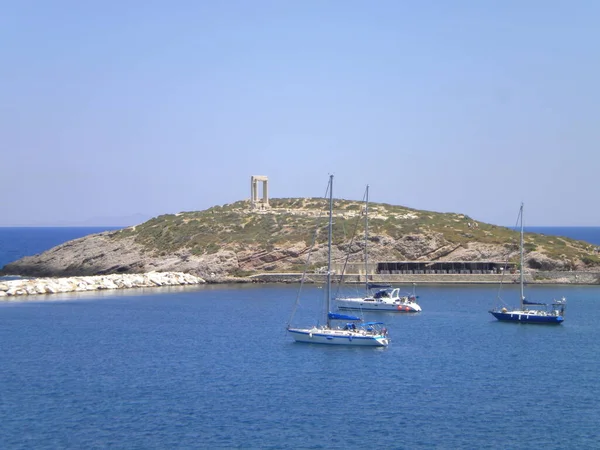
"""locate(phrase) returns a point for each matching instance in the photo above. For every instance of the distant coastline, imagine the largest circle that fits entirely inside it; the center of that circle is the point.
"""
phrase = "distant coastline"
(93, 222)
(587, 234)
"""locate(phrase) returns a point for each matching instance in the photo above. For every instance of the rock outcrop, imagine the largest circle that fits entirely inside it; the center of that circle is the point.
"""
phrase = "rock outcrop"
(234, 241)
(99, 254)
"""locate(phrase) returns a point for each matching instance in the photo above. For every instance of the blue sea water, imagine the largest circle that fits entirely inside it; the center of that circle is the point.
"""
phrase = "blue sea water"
(16, 242)
(212, 367)
(588, 234)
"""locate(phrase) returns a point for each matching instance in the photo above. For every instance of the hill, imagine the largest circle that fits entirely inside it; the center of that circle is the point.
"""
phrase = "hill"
(234, 241)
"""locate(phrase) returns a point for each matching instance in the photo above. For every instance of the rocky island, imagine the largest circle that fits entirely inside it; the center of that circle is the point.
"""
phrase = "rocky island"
(237, 243)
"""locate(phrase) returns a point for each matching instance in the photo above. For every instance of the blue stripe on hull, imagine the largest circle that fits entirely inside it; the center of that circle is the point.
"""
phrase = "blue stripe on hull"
(318, 338)
(523, 318)
(383, 308)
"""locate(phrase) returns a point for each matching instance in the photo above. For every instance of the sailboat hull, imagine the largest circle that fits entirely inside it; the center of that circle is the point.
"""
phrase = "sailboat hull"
(374, 305)
(338, 337)
(522, 314)
(361, 334)
(524, 317)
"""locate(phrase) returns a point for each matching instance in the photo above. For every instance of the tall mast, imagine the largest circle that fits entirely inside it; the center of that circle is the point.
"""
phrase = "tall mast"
(366, 241)
(329, 233)
(522, 259)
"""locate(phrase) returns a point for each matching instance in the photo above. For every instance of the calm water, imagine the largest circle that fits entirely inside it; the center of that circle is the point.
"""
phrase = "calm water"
(588, 234)
(212, 367)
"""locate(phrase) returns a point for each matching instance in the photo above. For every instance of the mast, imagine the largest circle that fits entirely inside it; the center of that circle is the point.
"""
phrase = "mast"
(329, 233)
(366, 241)
(522, 259)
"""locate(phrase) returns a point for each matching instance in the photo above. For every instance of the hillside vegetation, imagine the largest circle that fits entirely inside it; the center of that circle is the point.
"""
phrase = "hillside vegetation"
(293, 221)
(233, 240)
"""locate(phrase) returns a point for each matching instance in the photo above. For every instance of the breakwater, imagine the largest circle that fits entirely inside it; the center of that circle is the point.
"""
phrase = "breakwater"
(41, 286)
(37, 286)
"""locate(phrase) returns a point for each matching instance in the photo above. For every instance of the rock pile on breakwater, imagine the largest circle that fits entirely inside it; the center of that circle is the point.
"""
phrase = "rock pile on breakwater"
(36, 286)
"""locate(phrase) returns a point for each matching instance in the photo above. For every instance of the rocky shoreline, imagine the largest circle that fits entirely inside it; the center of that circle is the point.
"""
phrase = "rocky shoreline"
(48, 285)
(37, 286)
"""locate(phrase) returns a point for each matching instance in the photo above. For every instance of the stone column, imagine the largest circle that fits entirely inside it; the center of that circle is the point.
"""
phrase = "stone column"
(255, 203)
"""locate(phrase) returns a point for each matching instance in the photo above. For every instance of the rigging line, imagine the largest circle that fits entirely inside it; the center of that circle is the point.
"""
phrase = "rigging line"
(307, 264)
(505, 269)
(341, 279)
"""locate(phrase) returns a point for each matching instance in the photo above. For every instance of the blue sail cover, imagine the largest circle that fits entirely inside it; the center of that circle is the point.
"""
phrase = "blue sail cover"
(378, 286)
(527, 302)
(335, 316)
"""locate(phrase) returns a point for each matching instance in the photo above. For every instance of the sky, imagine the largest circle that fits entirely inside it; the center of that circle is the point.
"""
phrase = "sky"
(116, 111)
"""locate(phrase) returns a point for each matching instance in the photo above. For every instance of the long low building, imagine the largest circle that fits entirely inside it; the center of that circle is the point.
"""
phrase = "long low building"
(428, 267)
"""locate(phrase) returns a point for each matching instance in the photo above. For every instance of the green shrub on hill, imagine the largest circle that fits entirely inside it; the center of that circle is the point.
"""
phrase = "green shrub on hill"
(293, 220)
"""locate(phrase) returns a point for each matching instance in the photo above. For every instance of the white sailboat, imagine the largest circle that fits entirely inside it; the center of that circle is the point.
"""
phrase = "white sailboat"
(378, 297)
(381, 298)
(552, 314)
(354, 332)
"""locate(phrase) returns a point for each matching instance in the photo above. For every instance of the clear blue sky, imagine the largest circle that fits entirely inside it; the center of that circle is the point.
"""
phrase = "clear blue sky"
(115, 108)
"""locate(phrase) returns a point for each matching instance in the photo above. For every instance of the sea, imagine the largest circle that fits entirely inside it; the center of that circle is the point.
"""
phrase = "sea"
(212, 367)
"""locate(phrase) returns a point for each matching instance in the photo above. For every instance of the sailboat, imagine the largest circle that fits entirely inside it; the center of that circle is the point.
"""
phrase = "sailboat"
(354, 332)
(552, 314)
(378, 297)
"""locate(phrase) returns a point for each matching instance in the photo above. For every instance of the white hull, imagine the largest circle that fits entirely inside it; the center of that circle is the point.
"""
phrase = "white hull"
(371, 304)
(355, 332)
(332, 336)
